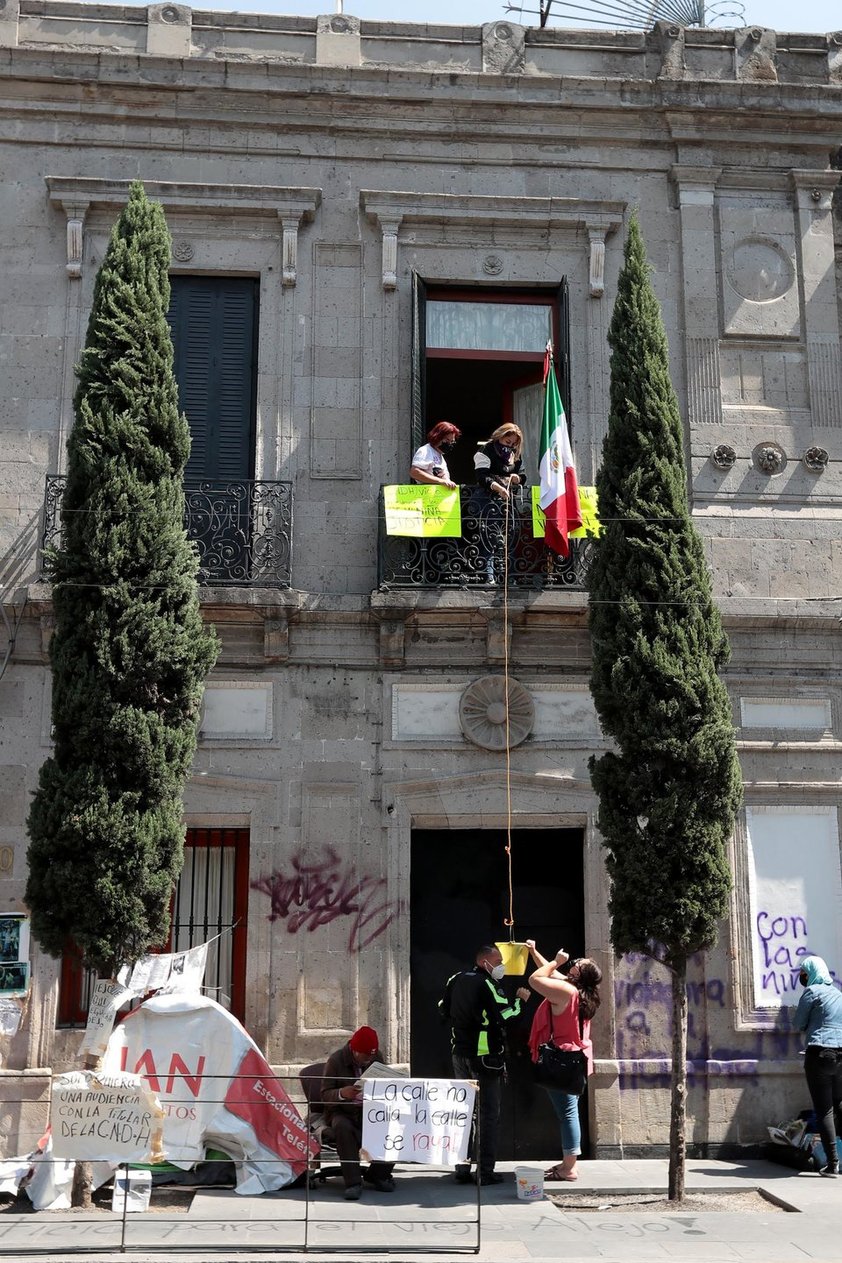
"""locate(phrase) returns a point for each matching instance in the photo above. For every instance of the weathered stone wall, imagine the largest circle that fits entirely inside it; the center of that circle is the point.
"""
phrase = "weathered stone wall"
(331, 159)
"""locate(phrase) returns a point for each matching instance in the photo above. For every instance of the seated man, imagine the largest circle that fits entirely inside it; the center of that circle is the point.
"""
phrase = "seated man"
(344, 1113)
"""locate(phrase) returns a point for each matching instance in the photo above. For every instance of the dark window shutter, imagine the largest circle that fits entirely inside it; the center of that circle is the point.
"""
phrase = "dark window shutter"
(563, 353)
(419, 358)
(214, 324)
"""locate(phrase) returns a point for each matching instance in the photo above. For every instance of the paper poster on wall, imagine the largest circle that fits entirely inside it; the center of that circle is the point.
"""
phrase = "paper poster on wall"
(591, 524)
(107, 998)
(99, 1117)
(795, 897)
(425, 511)
(417, 1120)
(14, 978)
(14, 938)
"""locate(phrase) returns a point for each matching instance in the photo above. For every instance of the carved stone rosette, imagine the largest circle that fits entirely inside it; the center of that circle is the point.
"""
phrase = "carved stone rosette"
(769, 458)
(816, 458)
(482, 713)
(724, 456)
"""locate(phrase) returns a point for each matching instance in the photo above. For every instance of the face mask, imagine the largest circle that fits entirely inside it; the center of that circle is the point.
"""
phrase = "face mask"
(447, 447)
(498, 972)
(505, 452)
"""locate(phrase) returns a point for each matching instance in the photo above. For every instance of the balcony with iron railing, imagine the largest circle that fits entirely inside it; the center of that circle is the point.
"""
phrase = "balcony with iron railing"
(493, 549)
(242, 529)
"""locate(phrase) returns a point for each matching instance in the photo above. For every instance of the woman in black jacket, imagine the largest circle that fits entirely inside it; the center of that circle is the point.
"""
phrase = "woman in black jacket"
(498, 469)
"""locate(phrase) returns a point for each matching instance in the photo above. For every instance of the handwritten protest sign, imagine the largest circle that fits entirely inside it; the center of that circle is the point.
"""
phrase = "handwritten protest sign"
(109, 1118)
(591, 524)
(417, 1120)
(107, 997)
(423, 511)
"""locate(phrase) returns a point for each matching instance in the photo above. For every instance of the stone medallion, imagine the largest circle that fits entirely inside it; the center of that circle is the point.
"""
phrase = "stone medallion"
(760, 271)
(482, 712)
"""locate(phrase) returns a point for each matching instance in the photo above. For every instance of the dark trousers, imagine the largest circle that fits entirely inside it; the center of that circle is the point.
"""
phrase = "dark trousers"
(490, 1103)
(347, 1138)
(823, 1070)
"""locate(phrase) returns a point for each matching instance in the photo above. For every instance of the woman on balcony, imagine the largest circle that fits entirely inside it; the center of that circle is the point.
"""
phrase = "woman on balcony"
(436, 560)
(499, 474)
(429, 464)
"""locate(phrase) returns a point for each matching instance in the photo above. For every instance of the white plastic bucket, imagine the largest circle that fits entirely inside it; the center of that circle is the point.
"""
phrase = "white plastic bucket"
(530, 1183)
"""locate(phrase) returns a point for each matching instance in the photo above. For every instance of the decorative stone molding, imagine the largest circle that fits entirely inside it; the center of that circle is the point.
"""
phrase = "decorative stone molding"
(756, 50)
(482, 713)
(596, 271)
(670, 40)
(769, 458)
(276, 639)
(75, 212)
(338, 41)
(293, 206)
(724, 456)
(815, 459)
(503, 48)
(492, 265)
(9, 18)
(391, 210)
(183, 251)
(169, 30)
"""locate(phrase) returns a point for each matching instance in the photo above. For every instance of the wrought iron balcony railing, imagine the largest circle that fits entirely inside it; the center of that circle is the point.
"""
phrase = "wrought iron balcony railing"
(478, 557)
(243, 529)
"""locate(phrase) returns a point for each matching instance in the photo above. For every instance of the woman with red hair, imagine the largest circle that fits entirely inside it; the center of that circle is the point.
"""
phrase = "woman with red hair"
(429, 463)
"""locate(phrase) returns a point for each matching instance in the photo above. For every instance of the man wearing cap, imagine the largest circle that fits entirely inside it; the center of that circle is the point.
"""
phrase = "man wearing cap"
(478, 1011)
(344, 1112)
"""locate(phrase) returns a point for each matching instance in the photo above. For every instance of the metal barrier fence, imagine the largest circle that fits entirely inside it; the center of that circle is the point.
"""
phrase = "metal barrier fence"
(294, 1222)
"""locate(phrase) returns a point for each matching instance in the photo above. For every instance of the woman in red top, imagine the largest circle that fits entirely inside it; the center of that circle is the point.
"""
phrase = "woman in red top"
(566, 1012)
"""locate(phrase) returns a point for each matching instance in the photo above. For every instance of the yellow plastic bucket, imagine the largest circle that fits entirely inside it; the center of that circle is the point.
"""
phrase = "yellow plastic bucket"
(515, 957)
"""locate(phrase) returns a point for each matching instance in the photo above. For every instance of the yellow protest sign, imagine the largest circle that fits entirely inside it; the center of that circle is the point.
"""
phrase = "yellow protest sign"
(591, 524)
(423, 511)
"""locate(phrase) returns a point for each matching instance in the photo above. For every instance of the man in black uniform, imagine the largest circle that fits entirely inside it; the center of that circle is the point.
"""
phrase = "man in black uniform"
(478, 1012)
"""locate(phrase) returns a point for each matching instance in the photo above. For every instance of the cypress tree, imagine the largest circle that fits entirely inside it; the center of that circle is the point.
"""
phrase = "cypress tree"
(669, 789)
(129, 653)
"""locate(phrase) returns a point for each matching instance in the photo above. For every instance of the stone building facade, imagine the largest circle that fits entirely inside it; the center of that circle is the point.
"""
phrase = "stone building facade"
(333, 189)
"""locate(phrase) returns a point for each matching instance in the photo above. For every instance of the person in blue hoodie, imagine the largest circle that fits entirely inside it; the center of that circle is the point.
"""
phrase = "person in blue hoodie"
(819, 1015)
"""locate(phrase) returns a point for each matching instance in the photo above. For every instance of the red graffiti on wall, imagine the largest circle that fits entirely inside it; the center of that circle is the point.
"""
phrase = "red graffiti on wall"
(317, 892)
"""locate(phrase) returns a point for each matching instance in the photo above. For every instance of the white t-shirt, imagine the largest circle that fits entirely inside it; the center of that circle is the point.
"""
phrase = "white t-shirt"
(431, 461)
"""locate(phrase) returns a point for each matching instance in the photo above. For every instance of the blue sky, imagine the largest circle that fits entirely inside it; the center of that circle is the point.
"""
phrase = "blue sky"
(782, 15)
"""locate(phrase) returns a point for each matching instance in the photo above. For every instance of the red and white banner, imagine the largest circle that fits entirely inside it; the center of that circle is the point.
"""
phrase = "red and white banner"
(215, 1087)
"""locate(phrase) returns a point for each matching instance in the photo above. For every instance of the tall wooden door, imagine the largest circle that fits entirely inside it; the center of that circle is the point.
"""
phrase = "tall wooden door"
(458, 901)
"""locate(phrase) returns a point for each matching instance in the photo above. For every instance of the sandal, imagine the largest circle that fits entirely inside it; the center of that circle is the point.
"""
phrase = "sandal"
(557, 1175)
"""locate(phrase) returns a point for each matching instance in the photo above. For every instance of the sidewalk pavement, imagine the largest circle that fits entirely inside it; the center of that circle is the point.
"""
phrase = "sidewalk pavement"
(430, 1216)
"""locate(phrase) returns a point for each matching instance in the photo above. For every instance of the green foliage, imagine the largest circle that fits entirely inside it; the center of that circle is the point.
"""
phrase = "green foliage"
(129, 653)
(669, 790)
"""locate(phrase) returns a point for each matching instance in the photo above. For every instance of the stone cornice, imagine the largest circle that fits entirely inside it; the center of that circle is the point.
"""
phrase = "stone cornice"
(497, 212)
(207, 199)
(390, 209)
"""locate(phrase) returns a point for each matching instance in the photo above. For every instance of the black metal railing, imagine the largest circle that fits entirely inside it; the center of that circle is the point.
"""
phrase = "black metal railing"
(478, 557)
(242, 529)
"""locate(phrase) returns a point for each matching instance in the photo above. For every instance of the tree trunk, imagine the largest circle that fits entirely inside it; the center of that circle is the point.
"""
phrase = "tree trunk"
(83, 1176)
(678, 1100)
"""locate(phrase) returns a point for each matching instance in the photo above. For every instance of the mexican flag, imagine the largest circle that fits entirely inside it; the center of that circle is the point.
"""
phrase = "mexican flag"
(559, 497)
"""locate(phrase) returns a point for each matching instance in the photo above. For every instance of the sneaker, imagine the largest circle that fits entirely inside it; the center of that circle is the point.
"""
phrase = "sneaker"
(384, 1185)
(492, 1177)
(353, 1192)
(830, 1172)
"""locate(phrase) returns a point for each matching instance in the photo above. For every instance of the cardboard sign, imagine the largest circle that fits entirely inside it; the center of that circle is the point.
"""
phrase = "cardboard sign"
(424, 511)
(107, 998)
(418, 1120)
(108, 1118)
(591, 524)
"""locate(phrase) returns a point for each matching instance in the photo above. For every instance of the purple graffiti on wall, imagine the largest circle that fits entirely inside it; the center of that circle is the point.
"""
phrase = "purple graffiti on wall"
(317, 892)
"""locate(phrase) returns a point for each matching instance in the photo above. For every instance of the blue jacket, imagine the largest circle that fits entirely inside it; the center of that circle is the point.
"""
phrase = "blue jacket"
(819, 1014)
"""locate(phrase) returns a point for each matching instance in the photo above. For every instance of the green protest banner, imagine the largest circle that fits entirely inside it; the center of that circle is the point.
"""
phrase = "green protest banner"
(423, 511)
(591, 524)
